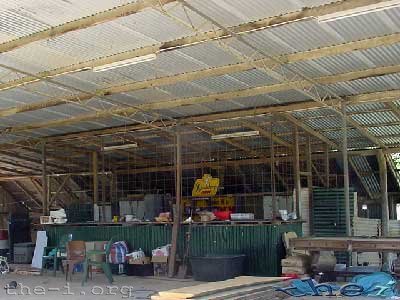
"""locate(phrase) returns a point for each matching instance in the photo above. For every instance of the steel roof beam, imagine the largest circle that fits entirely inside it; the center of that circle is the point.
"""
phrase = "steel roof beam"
(226, 96)
(82, 23)
(195, 75)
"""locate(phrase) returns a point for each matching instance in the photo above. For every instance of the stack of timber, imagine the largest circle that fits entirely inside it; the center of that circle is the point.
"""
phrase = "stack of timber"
(239, 288)
(394, 228)
(364, 227)
(296, 264)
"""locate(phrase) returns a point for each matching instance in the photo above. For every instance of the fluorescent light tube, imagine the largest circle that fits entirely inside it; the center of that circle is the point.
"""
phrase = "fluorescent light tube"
(235, 135)
(120, 147)
(359, 11)
(124, 63)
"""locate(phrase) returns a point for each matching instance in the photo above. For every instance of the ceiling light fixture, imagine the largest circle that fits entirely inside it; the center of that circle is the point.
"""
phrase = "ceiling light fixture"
(235, 135)
(359, 11)
(120, 147)
(124, 63)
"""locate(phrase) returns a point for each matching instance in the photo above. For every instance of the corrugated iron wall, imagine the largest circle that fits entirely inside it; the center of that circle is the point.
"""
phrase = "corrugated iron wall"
(261, 243)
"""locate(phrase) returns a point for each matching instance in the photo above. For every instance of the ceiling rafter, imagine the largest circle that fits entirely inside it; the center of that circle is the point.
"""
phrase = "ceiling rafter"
(267, 133)
(360, 176)
(199, 74)
(385, 96)
(27, 193)
(308, 129)
(82, 23)
(307, 12)
(168, 104)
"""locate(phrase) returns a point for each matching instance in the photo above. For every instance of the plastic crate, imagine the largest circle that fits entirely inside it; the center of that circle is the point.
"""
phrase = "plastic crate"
(23, 253)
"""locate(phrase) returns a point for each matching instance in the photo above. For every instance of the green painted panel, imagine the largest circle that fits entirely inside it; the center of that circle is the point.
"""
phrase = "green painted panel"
(329, 216)
(262, 244)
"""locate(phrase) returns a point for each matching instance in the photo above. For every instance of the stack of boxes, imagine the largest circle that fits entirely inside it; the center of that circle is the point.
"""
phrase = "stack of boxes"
(160, 260)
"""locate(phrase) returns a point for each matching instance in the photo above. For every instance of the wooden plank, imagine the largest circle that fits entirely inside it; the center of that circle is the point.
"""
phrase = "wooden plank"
(213, 287)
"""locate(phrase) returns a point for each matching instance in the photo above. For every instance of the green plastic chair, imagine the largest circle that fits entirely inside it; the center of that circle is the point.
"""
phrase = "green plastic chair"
(51, 253)
(104, 265)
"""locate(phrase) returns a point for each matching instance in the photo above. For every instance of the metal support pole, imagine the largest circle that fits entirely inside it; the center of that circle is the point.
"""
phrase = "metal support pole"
(272, 164)
(44, 181)
(346, 180)
(296, 170)
(309, 181)
(384, 192)
(327, 167)
(177, 208)
(95, 172)
(103, 190)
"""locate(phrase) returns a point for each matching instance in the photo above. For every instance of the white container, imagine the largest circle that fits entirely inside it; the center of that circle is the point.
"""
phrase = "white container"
(242, 216)
(129, 218)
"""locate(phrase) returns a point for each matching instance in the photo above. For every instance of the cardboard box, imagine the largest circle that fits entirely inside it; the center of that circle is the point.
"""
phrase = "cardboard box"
(139, 261)
(159, 259)
(160, 269)
(294, 270)
(297, 261)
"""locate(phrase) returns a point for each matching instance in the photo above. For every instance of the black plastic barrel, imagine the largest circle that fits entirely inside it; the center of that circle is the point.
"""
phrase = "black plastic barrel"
(217, 267)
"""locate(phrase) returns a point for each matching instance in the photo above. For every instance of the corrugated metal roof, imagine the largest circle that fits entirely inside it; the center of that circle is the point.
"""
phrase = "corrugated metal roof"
(367, 174)
(385, 130)
(376, 118)
(151, 26)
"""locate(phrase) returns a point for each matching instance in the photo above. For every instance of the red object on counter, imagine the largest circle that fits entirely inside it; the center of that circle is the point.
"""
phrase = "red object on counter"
(223, 215)
(3, 234)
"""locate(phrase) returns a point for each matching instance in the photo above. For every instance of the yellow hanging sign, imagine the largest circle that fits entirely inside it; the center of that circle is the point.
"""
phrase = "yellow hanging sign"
(206, 186)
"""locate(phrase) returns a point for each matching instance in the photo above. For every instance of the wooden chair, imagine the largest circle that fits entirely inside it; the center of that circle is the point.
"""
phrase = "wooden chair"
(76, 252)
(104, 265)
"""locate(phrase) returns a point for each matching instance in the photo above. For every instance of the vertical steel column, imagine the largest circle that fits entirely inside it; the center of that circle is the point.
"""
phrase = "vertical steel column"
(95, 171)
(45, 194)
(272, 165)
(327, 167)
(384, 192)
(296, 169)
(177, 208)
(103, 189)
(346, 180)
(309, 182)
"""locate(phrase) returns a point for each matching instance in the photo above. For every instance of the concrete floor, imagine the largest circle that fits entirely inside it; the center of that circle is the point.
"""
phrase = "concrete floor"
(49, 287)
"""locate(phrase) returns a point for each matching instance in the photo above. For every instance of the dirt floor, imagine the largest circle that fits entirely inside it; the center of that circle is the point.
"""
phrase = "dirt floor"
(48, 287)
